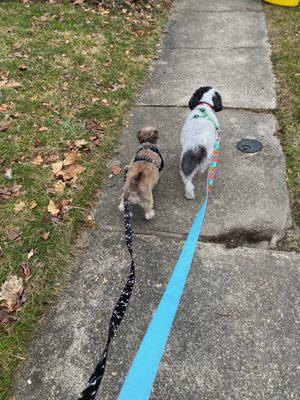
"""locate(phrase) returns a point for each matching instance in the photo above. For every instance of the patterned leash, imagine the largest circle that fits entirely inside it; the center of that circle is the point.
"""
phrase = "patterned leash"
(91, 389)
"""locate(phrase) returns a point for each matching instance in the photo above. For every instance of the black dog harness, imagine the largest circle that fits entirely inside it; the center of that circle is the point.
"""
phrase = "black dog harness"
(148, 159)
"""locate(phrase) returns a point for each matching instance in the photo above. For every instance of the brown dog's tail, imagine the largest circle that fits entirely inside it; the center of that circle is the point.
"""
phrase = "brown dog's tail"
(133, 185)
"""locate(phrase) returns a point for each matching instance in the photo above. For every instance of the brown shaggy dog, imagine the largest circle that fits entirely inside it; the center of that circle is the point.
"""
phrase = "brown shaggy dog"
(143, 175)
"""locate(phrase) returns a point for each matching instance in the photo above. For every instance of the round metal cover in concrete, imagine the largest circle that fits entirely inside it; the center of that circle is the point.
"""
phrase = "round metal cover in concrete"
(249, 146)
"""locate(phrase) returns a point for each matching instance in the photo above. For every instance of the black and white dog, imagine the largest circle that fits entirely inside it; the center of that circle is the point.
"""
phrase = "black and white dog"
(198, 135)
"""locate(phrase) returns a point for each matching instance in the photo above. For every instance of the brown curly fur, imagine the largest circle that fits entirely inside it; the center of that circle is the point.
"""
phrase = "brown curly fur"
(142, 176)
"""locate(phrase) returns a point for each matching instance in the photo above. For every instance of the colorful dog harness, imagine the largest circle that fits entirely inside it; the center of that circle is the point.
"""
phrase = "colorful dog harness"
(214, 159)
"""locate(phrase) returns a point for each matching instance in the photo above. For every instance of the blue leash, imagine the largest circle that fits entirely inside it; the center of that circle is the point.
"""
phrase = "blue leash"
(143, 370)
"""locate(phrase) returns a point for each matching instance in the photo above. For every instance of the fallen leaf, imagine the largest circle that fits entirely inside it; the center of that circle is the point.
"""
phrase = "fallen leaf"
(45, 235)
(19, 207)
(80, 142)
(52, 158)
(72, 170)
(38, 160)
(16, 46)
(4, 319)
(22, 67)
(32, 205)
(3, 107)
(12, 233)
(9, 84)
(9, 192)
(59, 186)
(65, 205)
(50, 190)
(30, 254)
(37, 142)
(53, 210)
(116, 170)
(71, 158)
(8, 174)
(57, 167)
(43, 129)
(25, 270)
(11, 292)
(6, 126)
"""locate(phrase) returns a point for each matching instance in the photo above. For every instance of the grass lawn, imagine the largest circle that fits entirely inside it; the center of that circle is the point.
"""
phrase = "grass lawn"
(68, 74)
(284, 32)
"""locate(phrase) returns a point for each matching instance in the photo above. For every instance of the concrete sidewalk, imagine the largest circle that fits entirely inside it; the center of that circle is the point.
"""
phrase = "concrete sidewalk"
(236, 333)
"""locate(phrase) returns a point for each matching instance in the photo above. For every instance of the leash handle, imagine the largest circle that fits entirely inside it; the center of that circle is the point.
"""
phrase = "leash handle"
(91, 389)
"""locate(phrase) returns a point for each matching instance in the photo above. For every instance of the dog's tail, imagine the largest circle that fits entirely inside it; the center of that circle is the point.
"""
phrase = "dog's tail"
(192, 158)
(133, 187)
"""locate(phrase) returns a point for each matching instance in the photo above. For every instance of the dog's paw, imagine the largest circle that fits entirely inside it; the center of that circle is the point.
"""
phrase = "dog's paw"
(189, 195)
(150, 214)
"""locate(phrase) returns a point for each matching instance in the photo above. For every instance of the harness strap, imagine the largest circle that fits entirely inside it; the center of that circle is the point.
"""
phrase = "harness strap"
(145, 158)
(204, 114)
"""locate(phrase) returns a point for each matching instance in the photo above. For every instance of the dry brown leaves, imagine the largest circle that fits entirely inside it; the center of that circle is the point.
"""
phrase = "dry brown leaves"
(12, 233)
(19, 207)
(10, 192)
(38, 160)
(11, 293)
(6, 125)
(9, 84)
(45, 235)
(25, 270)
(67, 171)
(8, 174)
(116, 170)
(58, 208)
(3, 107)
(52, 209)
(71, 158)
(59, 186)
(32, 205)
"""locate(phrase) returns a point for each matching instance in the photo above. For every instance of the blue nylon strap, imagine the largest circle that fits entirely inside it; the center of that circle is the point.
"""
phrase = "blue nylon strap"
(141, 375)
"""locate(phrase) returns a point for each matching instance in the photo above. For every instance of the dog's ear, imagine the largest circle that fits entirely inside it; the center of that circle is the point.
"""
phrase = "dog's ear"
(217, 100)
(153, 136)
(197, 96)
(140, 136)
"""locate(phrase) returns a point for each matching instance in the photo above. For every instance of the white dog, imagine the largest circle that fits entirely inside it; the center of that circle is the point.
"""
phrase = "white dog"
(198, 135)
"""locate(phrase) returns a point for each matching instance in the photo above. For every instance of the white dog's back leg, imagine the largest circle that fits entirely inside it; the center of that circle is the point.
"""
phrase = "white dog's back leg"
(188, 184)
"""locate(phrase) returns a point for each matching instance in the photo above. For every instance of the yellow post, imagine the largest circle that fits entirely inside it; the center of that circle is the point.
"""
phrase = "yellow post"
(286, 3)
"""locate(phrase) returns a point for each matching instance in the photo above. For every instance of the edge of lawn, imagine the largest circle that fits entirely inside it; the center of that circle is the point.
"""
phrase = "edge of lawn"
(283, 24)
(70, 234)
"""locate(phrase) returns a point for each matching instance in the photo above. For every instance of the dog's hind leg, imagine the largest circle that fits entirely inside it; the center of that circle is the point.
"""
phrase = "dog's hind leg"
(121, 205)
(148, 207)
(189, 187)
(191, 162)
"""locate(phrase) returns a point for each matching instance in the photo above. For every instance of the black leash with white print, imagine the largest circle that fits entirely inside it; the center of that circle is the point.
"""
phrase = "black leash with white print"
(89, 393)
